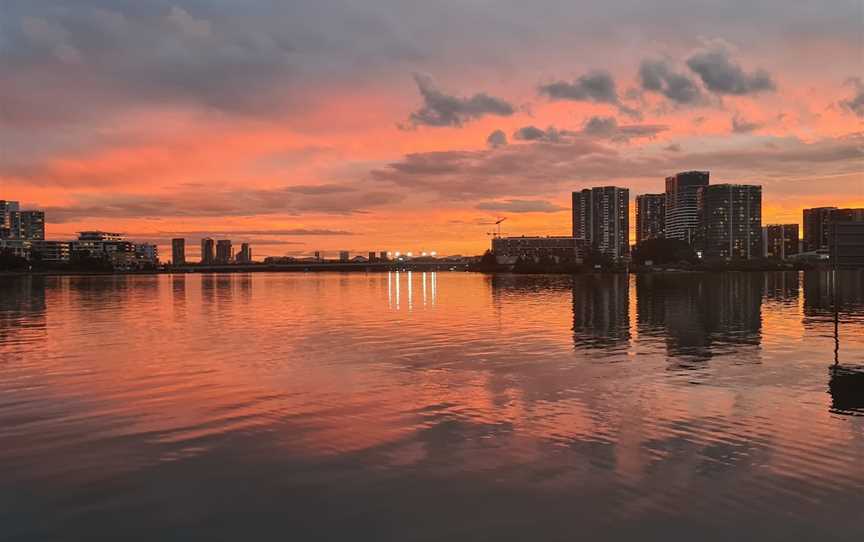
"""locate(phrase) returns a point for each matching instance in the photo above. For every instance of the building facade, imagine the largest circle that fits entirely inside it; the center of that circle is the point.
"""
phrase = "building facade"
(780, 240)
(208, 251)
(682, 208)
(6, 208)
(847, 215)
(147, 253)
(601, 217)
(109, 246)
(344, 256)
(224, 251)
(178, 251)
(650, 217)
(245, 254)
(816, 228)
(508, 250)
(51, 251)
(846, 243)
(30, 225)
(730, 219)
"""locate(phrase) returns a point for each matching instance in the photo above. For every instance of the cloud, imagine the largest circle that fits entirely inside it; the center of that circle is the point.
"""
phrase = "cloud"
(541, 168)
(741, 125)
(218, 203)
(723, 76)
(673, 147)
(608, 127)
(440, 109)
(855, 104)
(658, 76)
(496, 139)
(520, 206)
(596, 86)
(551, 134)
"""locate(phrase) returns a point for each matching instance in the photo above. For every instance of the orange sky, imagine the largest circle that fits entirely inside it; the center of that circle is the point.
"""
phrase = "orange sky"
(177, 119)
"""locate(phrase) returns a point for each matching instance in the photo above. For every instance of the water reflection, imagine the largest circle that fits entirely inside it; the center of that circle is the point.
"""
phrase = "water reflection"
(427, 282)
(341, 406)
(846, 386)
(22, 306)
(701, 315)
(601, 310)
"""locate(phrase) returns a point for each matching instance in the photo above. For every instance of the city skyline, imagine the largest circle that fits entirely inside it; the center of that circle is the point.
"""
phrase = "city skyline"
(400, 133)
(719, 221)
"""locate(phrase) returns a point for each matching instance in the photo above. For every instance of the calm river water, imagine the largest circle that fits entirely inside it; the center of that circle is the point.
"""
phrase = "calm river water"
(431, 406)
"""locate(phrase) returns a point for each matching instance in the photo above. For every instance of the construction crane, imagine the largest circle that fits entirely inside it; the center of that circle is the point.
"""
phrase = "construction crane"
(497, 232)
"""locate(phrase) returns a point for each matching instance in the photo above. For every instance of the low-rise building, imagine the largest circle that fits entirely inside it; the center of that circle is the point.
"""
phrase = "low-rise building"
(508, 250)
(15, 247)
(51, 251)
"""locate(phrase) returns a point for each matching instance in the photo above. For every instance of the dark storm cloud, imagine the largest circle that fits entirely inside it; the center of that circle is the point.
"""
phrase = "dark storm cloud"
(855, 104)
(741, 125)
(441, 109)
(520, 206)
(496, 139)
(722, 75)
(658, 76)
(596, 86)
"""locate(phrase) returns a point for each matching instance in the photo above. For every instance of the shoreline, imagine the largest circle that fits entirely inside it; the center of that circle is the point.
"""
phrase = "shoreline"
(328, 269)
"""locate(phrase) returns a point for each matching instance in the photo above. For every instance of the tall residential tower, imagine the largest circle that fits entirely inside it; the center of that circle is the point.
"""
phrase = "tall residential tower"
(682, 211)
(650, 216)
(601, 216)
(730, 216)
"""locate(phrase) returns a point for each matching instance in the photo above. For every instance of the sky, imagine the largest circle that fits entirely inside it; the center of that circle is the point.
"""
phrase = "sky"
(304, 125)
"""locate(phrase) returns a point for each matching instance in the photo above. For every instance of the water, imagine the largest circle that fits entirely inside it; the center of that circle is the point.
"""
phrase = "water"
(438, 406)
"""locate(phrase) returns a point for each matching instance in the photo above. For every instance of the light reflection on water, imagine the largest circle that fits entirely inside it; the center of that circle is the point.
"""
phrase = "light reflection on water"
(430, 406)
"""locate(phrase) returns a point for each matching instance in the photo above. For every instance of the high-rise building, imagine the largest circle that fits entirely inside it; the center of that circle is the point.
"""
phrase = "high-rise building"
(601, 217)
(372, 256)
(383, 256)
(7, 207)
(26, 225)
(682, 209)
(317, 256)
(816, 228)
(650, 216)
(344, 256)
(208, 251)
(780, 240)
(147, 253)
(245, 254)
(178, 251)
(846, 242)
(847, 215)
(224, 251)
(730, 219)
(581, 211)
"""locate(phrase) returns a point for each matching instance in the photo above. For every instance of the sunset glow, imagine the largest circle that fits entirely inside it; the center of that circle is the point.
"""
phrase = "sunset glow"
(367, 126)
